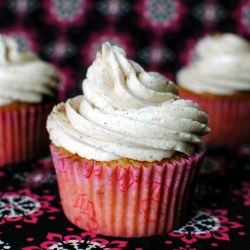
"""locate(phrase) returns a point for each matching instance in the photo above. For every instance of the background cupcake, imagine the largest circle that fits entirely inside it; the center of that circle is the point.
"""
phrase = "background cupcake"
(28, 89)
(127, 153)
(218, 79)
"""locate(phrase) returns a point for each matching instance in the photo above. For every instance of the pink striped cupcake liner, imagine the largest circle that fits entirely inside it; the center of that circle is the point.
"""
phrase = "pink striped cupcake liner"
(126, 201)
(23, 134)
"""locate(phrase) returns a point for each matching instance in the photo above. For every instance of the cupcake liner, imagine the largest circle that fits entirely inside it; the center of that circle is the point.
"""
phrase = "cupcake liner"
(228, 119)
(23, 134)
(125, 201)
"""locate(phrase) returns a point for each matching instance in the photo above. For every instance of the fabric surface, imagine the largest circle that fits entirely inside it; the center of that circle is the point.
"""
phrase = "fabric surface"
(160, 35)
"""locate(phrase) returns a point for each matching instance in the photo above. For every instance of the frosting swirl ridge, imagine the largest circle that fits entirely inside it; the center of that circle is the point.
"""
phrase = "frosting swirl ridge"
(23, 76)
(126, 112)
(220, 66)
(116, 82)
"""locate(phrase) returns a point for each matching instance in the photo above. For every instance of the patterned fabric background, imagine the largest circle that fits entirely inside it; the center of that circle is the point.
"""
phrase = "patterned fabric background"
(159, 34)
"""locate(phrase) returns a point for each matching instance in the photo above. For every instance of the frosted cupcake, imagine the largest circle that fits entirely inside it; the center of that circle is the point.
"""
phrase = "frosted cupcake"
(219, 81)
(127, 152)
(27, 94)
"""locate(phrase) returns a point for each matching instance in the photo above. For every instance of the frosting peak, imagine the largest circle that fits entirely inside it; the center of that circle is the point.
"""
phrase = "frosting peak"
(23, 76)
(126, 112)
(10, 54)
(221, 66)
(119, 83)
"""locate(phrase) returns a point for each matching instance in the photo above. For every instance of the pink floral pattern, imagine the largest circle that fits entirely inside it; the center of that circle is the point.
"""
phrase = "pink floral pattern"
(60, 48)
(67, 80)
(96, 39)
(160, 35)
(210, 12)
(160, 15)
(2, 174)
(187, 247)
(24, 206)
(206, 224)
(242, 15)
(65, 13)
(113, 9)
(156, 53)
(22, 7)
(36, 178)
(243, 192)
(83, 241)
(187, 55)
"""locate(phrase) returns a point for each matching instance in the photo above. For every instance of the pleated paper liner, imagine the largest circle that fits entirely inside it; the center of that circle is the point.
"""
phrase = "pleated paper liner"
(229, 117)
(23, 134)
(125, 201)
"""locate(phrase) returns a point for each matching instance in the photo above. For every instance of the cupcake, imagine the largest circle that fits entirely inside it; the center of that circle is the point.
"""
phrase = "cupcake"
(127, 152)
(27, 95)
(218, 80)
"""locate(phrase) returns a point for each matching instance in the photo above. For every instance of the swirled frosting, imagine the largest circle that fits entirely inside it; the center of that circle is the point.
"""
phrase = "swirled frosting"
(221, 66)
(126, 112)
(23, 76)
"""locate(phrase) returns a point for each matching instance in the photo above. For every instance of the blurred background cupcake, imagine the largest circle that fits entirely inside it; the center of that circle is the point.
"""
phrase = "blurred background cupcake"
(127, 152)
(28, 91)
(218, 79)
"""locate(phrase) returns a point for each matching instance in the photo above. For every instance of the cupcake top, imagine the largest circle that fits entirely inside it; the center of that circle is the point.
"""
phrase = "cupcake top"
(126, 112)
(221, 66)
(23, 76)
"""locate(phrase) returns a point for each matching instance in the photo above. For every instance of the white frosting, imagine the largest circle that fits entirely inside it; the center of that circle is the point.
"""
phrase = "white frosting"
(221, 66)
(126, 112)
(23, 76)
